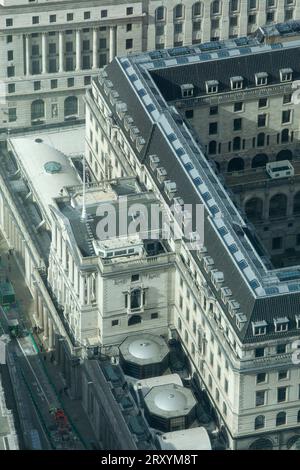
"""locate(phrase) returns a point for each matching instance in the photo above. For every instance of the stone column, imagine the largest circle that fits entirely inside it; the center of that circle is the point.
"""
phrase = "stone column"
(44, 53)
(61, 51)
(27, 54)
(112, 42)
(45, 319)
(50, 333)
(95, 48)
(206, 22)
(40, 312)
(78, 49)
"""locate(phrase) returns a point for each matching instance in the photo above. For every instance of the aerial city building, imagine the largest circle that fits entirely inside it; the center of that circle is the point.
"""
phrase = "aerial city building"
(231, 303)
(113, 113)
(51, 50)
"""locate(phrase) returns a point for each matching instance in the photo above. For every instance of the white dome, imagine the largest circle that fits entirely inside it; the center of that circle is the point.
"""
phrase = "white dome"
(144, 349)
(170, 400)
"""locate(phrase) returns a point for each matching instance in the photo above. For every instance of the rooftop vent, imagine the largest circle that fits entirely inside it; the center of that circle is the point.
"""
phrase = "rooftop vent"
(52, 167)
(38, 140)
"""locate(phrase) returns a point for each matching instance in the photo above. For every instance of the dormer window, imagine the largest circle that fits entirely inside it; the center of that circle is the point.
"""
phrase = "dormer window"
(236, 83)
(187, 90)
(240, 319)
(261, 79)
(286, 75)
(259, 328)
(233, 307)
(212, 86)
(281, 324)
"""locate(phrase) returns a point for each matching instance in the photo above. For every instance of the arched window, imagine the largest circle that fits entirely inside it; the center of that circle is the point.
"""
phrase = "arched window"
(254, 208)
(71, 107)
(284, 155)
(160, 13)
(237, 143)
(178, 11)
(235, 164)
(134, 320)
(278, 206)
(261, 444)
(261, 159)
(296, 208)
(197, 9)
(212, 147)
(281, 418)
(284, 136)
(216, 7)
(259, 422)
(37, 110)
(261, 139)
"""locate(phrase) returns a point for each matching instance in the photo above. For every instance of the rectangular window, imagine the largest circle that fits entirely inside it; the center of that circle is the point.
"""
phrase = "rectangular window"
(52, 18)
(260, 398)
(213, 128)
(259, 352)
(261, 120)
(237, 107)
(261, 378)
(35, 20)
(286, 116)
(12, 114)
(213, 110)
(10, 55)
(114, 322)
(281, 394)
(237, 124)
(262, 102)
(129, 43)
(283, 375)
(11, 71)
(11, 88)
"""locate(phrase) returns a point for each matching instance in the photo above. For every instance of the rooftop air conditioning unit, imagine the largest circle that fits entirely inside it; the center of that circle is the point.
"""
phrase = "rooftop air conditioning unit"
(154, 161)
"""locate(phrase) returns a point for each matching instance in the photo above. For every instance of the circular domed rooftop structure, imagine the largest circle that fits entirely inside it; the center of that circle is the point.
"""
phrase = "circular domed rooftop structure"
(143, 356)
(170, 407)
(52, 167)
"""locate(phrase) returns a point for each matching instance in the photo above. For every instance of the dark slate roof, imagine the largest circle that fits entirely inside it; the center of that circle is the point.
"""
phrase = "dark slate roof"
(170, 79)
(255, 307)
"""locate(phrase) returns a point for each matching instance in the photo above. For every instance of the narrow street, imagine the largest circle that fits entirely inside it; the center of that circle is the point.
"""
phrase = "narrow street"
(49, 418)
